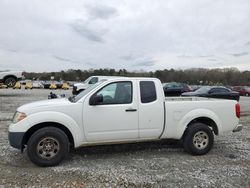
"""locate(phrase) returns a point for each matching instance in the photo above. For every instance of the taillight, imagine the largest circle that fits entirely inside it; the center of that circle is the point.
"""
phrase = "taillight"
(237, 110)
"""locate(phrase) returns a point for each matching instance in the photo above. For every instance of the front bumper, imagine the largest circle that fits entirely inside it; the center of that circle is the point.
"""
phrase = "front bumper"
(238, 128)
(16, 139)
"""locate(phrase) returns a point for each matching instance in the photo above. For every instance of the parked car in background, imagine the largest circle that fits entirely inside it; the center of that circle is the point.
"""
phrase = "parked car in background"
(79, 87)
(46, 84)
(194, 87)
(58, 84)
(37, 84)
(214, 92)
(243, 90)
(9, 78)
(175, 89)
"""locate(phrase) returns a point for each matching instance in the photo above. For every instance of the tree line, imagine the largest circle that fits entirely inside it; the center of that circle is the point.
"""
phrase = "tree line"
(195, 76)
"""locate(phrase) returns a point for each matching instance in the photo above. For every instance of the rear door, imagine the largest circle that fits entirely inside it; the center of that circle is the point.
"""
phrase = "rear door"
(151, 110)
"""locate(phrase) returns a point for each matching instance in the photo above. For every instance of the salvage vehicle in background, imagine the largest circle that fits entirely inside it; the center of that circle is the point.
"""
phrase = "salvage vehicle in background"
(175, 89)
(79, 87)
(9, 78)
(243, 90)
(119, 110)
(214, 92)
(37, 84)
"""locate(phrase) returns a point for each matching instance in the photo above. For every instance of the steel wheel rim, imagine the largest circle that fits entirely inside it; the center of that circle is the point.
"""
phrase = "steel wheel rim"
(201, 140)
(48, 148)
(10, 82)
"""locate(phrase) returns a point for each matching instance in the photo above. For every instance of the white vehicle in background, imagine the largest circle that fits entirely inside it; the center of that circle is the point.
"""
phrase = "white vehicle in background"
(37, 84)
(9, 78)
(120, 110)
(79, 87)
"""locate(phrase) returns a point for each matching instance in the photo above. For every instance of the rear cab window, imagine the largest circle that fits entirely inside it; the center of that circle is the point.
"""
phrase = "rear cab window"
(147, 91)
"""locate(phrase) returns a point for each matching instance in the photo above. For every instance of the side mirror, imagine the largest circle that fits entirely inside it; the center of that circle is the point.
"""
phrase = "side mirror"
(95, 100)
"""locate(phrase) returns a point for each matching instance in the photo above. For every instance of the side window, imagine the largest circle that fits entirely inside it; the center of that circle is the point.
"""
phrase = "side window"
(148, 91)
(223, 90)
(219, 90)
(93, 80)
(116, 93)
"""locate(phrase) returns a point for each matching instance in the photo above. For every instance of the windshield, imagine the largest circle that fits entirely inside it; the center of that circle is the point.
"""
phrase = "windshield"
(83, 93)
(86, 81)
(203, 90)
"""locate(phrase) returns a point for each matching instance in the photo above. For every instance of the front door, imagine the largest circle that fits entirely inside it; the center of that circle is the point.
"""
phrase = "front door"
(115, 118)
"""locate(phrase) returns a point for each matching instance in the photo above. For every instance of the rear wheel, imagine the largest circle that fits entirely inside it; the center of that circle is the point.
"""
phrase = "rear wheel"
(198, 139)
(48, 146)
(10, 81)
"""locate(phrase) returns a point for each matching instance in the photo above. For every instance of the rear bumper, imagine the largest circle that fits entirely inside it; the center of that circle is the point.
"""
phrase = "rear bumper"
(238, 128)
(16, 139)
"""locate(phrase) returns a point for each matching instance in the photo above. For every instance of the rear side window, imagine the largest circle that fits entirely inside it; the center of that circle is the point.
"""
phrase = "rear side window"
(148, 91)
(219, 90)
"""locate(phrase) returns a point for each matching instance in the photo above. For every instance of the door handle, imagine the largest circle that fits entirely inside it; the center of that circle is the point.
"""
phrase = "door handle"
(131, 110)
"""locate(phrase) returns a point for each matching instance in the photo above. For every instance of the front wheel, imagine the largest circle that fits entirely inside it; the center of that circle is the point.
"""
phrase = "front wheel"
(48, 146)
(198, 139)
(10, 81)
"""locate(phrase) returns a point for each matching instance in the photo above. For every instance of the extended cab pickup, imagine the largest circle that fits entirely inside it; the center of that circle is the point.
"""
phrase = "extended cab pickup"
(79, 87)
(10, 78)
(119, 110)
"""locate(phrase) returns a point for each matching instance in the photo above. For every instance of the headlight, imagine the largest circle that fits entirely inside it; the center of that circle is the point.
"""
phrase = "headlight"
(18, 116)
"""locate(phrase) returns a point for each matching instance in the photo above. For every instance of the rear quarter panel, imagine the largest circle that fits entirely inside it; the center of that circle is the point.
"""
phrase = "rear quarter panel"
(180, 113)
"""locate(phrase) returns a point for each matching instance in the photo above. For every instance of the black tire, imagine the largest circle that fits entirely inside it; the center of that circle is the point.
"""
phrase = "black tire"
(198, 139)
(48, 146)
(10, 81)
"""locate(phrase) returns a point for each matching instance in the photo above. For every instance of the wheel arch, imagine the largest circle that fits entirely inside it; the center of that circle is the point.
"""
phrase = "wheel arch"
(38, 126)
(9, 76)
(204, 116)
(207, 121)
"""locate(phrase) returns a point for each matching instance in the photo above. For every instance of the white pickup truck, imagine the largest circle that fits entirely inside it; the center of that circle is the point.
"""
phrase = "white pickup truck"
(10, 78)
(79, 87)
(119, 110)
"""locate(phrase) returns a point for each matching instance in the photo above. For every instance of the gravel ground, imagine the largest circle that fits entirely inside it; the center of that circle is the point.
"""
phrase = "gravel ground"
(151, 164)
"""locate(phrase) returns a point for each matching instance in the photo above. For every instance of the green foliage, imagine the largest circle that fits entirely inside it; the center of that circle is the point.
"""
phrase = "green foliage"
(228, 76)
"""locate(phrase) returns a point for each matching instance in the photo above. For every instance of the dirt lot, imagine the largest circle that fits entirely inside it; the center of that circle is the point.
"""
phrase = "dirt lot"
(152, 164)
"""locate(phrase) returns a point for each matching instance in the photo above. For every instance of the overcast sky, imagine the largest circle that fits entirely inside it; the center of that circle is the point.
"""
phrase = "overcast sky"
(46, 35)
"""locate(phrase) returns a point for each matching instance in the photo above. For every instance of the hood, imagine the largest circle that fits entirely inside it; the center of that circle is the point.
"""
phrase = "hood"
(81, 85)
(45, 103)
